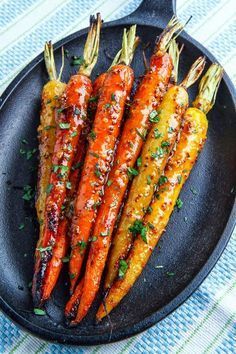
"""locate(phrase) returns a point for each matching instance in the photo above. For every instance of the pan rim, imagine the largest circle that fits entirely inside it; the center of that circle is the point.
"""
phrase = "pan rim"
(147, 322)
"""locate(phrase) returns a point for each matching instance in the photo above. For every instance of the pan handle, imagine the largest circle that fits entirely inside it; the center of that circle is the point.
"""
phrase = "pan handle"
(156, 12)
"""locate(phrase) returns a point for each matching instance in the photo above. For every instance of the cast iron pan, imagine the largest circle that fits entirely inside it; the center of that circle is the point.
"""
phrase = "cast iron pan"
(189, 248)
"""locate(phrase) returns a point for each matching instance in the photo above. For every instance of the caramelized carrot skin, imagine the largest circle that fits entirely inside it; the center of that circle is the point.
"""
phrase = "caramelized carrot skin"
(147, 98)
(70, 122)
(55, 264)
(153, 160)
(114, 93)
(75, 101)
(191, 142)
(73, 303)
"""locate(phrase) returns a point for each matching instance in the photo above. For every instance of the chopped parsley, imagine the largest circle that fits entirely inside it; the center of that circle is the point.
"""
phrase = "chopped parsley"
(72, 275)
(179, 179)
(149, 209)
(113, 97)
(170, 274)
(193, 190)
(28, 193)
(162, 180)
(77, 165)
(158, 154)
(157, 134)
(68, 185)
(77, 111)
(149, 180)
(153, 117)
(138, 228)
(132, 172)
(105, 233)
(123, 266)
(109, 182)
(92, 135)
(49, 188)
(48, 127)
(165, 144)
(82, 244)
(64, 125)
(21, 226)
(74, 134)
(24, 141)
(171, 130)
(44, 249)
(97, 171)
(179, 203)
(139, 161)
(93, 99)
(107, 105)
(93, 239)
(96, 205)
(63, 169)
(77, 60)
(65, 259)
(39, 312)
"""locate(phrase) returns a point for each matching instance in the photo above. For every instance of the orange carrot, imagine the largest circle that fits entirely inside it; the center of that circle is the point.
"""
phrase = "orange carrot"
(70, 122)
(103, 137)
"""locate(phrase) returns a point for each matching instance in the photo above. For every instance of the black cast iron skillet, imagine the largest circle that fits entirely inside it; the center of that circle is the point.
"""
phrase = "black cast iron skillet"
(189, 248)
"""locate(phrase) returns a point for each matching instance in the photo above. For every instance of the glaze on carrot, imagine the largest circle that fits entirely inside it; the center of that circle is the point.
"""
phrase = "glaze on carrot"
(190, 143)
(71, 117)
(147, 98)
(154, 156)
(103, 137)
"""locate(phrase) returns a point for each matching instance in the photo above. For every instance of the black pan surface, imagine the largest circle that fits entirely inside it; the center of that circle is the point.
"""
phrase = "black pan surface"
(189, 248)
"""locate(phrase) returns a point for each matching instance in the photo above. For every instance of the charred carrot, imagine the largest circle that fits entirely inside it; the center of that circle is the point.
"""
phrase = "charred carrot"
(155, 153)
(147, 98)
(191, 142)
(71, 117)
(103, 137)
(51, 94)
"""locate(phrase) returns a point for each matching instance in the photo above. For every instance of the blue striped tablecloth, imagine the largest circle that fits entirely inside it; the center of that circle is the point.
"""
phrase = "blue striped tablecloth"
(206, 323)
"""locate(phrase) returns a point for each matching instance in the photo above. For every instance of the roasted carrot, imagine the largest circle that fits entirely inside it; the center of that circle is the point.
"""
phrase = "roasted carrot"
(71, 119)
(191, 141)
(153, 159)
(51, 94)
(103, 137)
(146, 99)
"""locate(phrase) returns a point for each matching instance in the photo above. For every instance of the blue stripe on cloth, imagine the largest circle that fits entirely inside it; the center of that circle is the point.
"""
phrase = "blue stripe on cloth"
(126, 9)
(229, 341)
(9, 333)
(198, 9)
(9, 10)
(61, 349)
(228, 38)
(50, 28)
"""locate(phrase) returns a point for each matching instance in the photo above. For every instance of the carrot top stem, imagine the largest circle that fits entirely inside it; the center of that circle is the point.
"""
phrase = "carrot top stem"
(174, 52)
(129, 43)
(208, 88)
(194, 72)
(91, 46)
(166, 36)
(49, 61)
